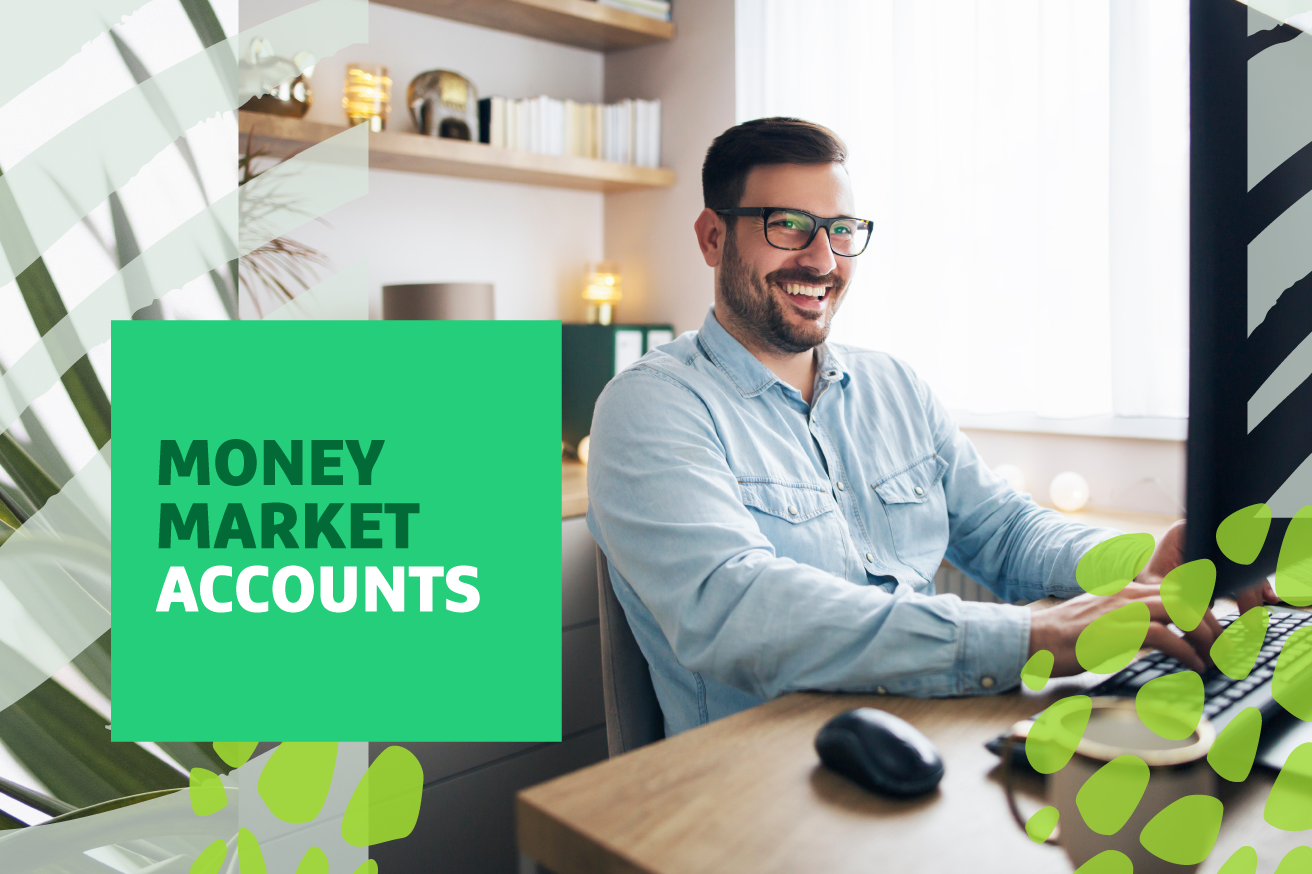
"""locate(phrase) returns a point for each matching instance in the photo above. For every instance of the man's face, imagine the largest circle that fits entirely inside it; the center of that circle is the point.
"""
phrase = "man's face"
(786, 299)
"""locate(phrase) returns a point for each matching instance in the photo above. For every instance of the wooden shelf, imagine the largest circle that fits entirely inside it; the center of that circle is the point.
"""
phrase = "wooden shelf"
(583, 23)
(284, 137)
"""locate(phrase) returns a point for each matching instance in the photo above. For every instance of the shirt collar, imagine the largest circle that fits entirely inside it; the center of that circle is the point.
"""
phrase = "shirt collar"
(744, 369)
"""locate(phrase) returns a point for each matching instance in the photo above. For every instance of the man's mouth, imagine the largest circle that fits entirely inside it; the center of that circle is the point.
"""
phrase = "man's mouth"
(805, 295)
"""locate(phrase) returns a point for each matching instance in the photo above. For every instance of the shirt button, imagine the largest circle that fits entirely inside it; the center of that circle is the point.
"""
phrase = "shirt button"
(919, 490)
(986, 682)
(840, 487)
(881, 690)
(870, 556)
(792, 511)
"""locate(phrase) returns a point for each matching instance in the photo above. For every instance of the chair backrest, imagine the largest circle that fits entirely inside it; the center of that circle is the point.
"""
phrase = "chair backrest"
(633, 714)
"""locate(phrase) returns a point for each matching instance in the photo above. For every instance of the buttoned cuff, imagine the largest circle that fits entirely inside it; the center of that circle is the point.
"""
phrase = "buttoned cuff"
(995, 648)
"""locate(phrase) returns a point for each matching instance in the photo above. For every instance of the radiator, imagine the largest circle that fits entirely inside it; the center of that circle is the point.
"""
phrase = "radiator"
(950, 581)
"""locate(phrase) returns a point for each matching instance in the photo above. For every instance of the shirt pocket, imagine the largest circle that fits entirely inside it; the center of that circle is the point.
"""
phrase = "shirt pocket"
(917, 513)
(798, 519)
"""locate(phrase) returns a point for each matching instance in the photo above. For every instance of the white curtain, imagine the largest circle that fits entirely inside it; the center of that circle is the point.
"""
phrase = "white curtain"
(1025, 164)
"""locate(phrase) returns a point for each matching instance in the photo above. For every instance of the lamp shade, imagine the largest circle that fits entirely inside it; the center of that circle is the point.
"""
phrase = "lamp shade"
(438, 300)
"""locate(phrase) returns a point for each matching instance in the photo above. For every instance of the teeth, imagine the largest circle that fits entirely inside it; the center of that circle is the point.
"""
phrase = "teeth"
(808, 290)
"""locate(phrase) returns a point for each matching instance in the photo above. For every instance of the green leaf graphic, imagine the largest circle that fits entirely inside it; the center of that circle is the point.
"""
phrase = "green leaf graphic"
(1296, 861)
(1112, 564)
(210, 859)
(385, 806)
(1235, 651)
(1187, 592)
(235, 753)
(1294, 566)
(207, 792)
(249, 856)
(1241, 861)
(294, 783)
(1292, 684)
(1184, 831)
(1037, 670)
(369, 867)
(1172, 705)
(1107, 862)
(1235, 748)
(1107, 799)
(1241, 534)
(1112, 641)
(1054, 735)
(1289, 806)
(1039, 826)
(315, 861)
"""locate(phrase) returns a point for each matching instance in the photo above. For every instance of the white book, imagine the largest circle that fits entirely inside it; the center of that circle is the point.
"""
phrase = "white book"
(655, 133)
(646, 8)
(497, 133)
(571, 128)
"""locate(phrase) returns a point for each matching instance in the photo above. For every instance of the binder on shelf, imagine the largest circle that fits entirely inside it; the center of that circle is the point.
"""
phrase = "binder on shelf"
(591, 355)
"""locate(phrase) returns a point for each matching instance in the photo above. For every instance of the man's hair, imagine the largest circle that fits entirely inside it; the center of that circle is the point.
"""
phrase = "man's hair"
(761, 141)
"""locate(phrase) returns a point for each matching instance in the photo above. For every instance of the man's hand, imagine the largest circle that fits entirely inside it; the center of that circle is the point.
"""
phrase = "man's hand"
(1057, 628)
(1169, 554)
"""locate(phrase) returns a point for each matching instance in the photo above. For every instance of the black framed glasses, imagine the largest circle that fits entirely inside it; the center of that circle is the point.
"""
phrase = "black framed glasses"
(794, 229)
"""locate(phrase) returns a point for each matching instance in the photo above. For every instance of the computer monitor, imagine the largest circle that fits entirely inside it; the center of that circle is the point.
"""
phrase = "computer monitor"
(1250, 370)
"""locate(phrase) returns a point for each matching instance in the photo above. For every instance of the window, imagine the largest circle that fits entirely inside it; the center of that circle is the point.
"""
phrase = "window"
(1026, 165)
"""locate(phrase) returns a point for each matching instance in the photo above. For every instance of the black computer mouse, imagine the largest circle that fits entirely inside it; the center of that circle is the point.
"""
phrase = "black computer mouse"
(880, 752)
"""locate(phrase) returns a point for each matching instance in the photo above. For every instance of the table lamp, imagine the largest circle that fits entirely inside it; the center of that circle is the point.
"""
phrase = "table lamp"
(601, 292)
(367, 96)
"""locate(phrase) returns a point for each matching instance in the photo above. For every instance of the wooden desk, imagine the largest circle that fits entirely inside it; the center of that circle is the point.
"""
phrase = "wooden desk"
(747, 793)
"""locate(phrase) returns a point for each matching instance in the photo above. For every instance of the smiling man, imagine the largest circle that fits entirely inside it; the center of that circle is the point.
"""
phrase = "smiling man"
(773, 507)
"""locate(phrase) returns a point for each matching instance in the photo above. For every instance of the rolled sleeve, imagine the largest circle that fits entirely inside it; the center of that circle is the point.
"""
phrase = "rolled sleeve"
(667, 510)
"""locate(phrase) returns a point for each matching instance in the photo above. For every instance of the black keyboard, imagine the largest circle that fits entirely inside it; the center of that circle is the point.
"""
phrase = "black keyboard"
(1224, 697)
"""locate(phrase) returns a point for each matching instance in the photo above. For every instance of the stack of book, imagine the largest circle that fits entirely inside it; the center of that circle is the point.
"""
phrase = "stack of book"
(628, 132)
(651, 8)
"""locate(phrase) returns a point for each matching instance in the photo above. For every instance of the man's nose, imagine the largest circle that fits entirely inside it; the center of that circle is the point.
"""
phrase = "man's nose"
(818, 256)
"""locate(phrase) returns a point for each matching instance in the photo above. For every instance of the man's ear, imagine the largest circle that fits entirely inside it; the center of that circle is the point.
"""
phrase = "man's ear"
(710, 236)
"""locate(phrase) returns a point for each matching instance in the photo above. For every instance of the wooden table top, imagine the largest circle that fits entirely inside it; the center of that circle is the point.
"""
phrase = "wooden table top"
(747, 793)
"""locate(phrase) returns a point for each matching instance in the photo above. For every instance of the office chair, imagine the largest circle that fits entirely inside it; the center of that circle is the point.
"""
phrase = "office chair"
(633, 714)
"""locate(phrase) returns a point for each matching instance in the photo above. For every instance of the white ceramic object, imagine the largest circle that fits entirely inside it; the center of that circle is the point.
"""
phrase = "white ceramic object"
(1069, 491)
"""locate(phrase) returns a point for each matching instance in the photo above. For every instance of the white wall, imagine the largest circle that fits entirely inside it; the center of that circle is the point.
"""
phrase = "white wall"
(650, 232)
(1146, 476)
(531, 242)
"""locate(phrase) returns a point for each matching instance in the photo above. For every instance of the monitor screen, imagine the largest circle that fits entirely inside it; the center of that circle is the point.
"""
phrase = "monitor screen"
(1250, 380)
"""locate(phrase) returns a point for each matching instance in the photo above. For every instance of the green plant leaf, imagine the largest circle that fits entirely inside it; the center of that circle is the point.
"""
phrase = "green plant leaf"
(35, 483)
(65, 744)
(93, 662)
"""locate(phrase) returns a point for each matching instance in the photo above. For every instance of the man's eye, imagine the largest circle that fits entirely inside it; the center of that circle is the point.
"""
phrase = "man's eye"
(842, 229)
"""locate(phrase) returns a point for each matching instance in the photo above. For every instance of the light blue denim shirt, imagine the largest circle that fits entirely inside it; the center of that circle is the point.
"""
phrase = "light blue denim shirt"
(759, 545)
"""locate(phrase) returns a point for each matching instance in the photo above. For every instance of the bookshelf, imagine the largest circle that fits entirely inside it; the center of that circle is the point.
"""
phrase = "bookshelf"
(415, 153)
(583, 23)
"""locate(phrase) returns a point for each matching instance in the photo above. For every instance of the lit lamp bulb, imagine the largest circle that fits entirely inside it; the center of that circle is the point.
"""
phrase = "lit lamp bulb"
(584, 445)
(367, 96)
(1069, 491)
(1014, 476)
(601, 292)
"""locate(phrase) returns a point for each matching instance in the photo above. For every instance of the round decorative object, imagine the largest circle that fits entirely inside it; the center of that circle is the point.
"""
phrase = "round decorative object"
(584, 445)
(277, 85)
(444, 104)
(1014, 476)
(1069, 491)
(438, 300)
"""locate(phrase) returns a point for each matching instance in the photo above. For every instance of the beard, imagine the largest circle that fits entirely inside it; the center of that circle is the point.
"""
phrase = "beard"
(761, 313)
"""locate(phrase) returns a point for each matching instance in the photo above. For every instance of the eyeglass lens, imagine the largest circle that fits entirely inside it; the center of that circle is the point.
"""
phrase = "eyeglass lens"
(786, 229)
